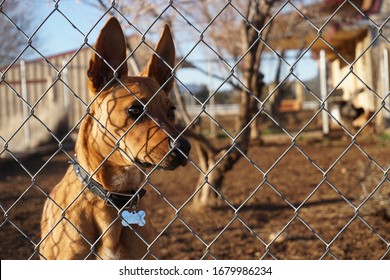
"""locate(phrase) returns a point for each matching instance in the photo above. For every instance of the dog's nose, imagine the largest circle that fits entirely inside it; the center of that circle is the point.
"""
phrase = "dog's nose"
(181, 144)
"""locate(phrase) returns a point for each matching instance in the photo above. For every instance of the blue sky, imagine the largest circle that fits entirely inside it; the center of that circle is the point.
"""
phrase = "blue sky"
(57, 35)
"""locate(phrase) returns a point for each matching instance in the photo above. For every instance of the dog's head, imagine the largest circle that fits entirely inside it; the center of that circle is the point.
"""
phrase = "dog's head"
(133, 115)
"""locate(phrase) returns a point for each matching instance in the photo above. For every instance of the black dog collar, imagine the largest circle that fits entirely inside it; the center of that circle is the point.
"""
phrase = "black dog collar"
(113, 199)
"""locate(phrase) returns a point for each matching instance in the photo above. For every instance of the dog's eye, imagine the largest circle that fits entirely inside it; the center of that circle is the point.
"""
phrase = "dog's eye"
(171, 113)
(135, 111)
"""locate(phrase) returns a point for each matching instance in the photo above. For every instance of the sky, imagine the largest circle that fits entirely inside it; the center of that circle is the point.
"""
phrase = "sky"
(57, 35)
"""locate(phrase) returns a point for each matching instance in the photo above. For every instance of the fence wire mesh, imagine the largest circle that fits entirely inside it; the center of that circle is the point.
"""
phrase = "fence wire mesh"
(293, 166)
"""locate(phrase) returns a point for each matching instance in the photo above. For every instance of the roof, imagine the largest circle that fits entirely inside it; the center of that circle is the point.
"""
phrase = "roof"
(323, 24)
(140, 51)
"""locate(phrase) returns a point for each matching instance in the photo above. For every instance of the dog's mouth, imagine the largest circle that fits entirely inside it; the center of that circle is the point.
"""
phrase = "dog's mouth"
(178, 156)
(173, 161)
(143, 164)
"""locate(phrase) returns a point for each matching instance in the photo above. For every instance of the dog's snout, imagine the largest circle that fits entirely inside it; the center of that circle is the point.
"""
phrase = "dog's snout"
(181, 144)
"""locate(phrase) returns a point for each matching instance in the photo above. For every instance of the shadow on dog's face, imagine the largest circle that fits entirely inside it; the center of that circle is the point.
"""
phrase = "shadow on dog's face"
(144, 124)
(135, 117)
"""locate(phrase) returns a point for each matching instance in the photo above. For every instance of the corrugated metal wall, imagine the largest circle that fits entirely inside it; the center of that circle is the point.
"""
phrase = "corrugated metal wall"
(43, 84)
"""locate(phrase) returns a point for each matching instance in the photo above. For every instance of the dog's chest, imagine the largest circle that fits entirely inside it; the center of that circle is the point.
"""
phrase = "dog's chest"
(109, 254)
(125, 178)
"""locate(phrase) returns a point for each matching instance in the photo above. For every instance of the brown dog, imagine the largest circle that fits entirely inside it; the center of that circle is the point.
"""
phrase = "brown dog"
(130, 125)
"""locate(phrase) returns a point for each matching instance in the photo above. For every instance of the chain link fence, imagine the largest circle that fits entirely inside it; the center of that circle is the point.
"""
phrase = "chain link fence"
(289, 127)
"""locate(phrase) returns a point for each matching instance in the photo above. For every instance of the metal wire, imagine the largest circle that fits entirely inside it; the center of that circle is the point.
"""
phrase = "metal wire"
(205, 112)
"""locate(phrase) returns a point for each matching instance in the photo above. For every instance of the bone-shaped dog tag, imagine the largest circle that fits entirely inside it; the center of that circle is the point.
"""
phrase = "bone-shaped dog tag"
(133, 218)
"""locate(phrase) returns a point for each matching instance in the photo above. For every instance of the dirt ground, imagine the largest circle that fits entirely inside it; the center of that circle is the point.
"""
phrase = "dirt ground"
(290, 210)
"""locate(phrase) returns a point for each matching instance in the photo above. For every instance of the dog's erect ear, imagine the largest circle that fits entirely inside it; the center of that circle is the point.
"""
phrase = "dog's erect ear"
(111, 47)
(157, 66)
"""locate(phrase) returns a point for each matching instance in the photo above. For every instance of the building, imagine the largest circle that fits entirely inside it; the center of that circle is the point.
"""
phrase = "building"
(354, 35)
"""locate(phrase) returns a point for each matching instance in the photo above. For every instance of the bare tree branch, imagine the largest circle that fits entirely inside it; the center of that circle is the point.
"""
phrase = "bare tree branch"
(15, 25)
(245, 18)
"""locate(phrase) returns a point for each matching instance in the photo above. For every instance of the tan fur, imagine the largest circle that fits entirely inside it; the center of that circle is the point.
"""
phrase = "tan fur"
(76, 224)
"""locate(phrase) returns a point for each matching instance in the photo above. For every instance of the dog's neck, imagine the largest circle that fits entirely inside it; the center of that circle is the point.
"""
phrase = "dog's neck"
(111, 176)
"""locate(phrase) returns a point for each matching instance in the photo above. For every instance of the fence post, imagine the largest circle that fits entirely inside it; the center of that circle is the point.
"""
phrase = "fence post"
(212, 99)
(324, 92)
(385, 86)
(66, 80)
(23, 82)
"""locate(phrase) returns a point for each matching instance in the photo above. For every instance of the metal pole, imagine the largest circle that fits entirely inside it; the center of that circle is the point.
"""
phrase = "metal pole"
(23, 82)
(385, 85)
(65, 79)
(212, 101)
(324, 93)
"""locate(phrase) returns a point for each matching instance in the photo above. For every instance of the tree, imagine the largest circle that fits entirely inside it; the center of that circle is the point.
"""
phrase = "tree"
(239, 29)
(15, 23)
(218, 161)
